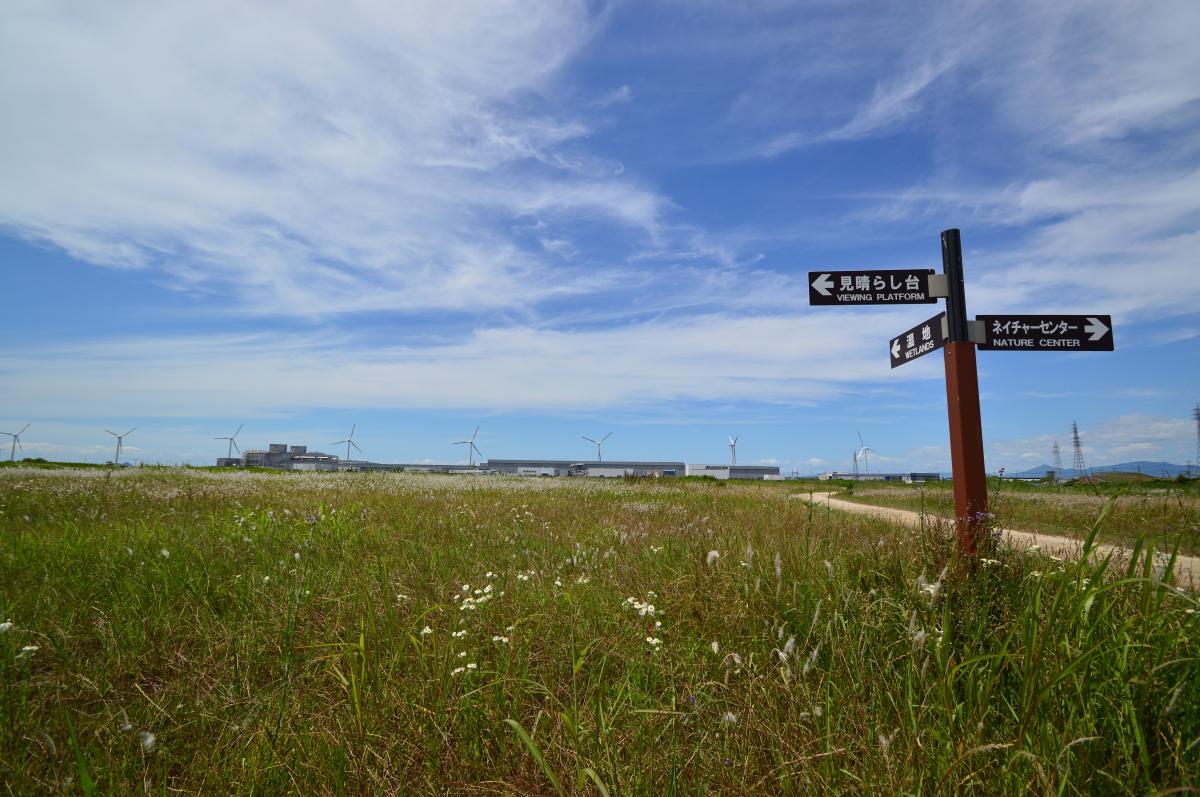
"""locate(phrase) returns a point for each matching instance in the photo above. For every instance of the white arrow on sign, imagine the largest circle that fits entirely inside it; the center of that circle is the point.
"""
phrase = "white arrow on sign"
(1096, 328)
(896, 348)
(822, 283)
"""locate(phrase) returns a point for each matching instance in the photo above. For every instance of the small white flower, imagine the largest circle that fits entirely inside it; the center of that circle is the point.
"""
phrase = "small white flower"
(462, 654)
(28, 650)
(459, 634)
(5, 627)
(164, 553)
(457, 670)
(558, 582)
(503, 640)
(466, 588)
(296, 556)
(583, 579)
(426, 631)
(266, 579)
(148, 740)
(818, 711)
(715, 647)
(489, 574)
(653, 642)
(472, 666)
(989, 562)
(729, 718)
(712, 557)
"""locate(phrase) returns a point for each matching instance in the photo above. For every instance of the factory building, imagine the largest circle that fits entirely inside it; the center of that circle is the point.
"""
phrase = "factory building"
(723, 472)
(282, 456)
(912, 477)
(567, 467)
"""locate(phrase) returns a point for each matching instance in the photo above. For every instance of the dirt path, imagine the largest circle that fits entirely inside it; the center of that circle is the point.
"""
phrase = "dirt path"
(1187, 568)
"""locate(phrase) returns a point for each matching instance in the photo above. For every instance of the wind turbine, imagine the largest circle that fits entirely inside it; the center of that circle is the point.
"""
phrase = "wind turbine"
(120, 442)
(733, 449)
(862, 452)
(349, 441)
(232, 442)
(16, 443)
(472, 449)
(598, 443)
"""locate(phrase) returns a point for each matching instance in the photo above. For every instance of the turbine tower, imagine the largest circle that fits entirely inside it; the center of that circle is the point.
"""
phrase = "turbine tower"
(349, 441)
(1078, 463)
(733, 450)
(232, 442)
(862, 452)
(472, 449)
(16, 441)
(598, 444)
(1056, 458)
(120, 443)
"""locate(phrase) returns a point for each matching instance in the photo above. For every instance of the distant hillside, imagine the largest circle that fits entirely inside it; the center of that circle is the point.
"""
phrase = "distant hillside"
(1157, 469)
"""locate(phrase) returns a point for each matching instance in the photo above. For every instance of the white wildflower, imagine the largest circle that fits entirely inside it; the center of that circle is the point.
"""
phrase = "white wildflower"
(989, 562)
(266, 579)
(653, 642)
(472, 666)
(503, 640)
(712, 557)
(583, 580)
(426, 631)
(558, 582)
(458, 670)
(296, 556)
(829, 568)
(885, 742)
(5, 627)
(459, 634)
(164, 553)
(729, 718)
(715, 648)
(148, 740)
(462, 654)
(818, 711)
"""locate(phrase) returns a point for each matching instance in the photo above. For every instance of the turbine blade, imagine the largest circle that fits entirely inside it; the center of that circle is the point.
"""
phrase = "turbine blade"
(22, 430)
(235, 446)
(860, 442)
(239, 431)
(111, 432)
(131, 431)
(355, 445)
(475, 433)
(353, 426)
(602, 439)
(17, 440)
(590, 440)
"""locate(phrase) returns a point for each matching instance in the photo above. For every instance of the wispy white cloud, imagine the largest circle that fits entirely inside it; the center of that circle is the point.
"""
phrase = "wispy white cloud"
(306, 160)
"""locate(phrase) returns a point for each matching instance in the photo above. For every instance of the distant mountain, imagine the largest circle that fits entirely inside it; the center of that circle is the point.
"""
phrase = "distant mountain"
(1156, 469)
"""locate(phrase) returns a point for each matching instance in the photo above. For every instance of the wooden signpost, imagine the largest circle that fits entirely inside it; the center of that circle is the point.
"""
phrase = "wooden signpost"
(957, 336)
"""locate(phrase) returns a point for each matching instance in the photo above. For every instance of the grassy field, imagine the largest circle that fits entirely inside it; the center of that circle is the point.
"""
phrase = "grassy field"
(175, 632)
(1166, 514)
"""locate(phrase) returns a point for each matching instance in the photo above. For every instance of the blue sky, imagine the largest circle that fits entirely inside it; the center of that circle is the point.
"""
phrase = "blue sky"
(565, 219)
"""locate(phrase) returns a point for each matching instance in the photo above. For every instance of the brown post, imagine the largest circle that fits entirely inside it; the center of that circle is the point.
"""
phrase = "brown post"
(962, 404)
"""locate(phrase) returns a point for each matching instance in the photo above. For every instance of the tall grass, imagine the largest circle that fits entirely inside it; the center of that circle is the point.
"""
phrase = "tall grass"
(270, 633)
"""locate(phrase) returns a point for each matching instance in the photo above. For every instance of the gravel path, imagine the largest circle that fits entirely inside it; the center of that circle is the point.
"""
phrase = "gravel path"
(1187, 568)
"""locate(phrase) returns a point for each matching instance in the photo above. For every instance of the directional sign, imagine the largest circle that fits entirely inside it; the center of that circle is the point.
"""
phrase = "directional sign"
(1046, 332)
(906, 286)
(929, 335)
